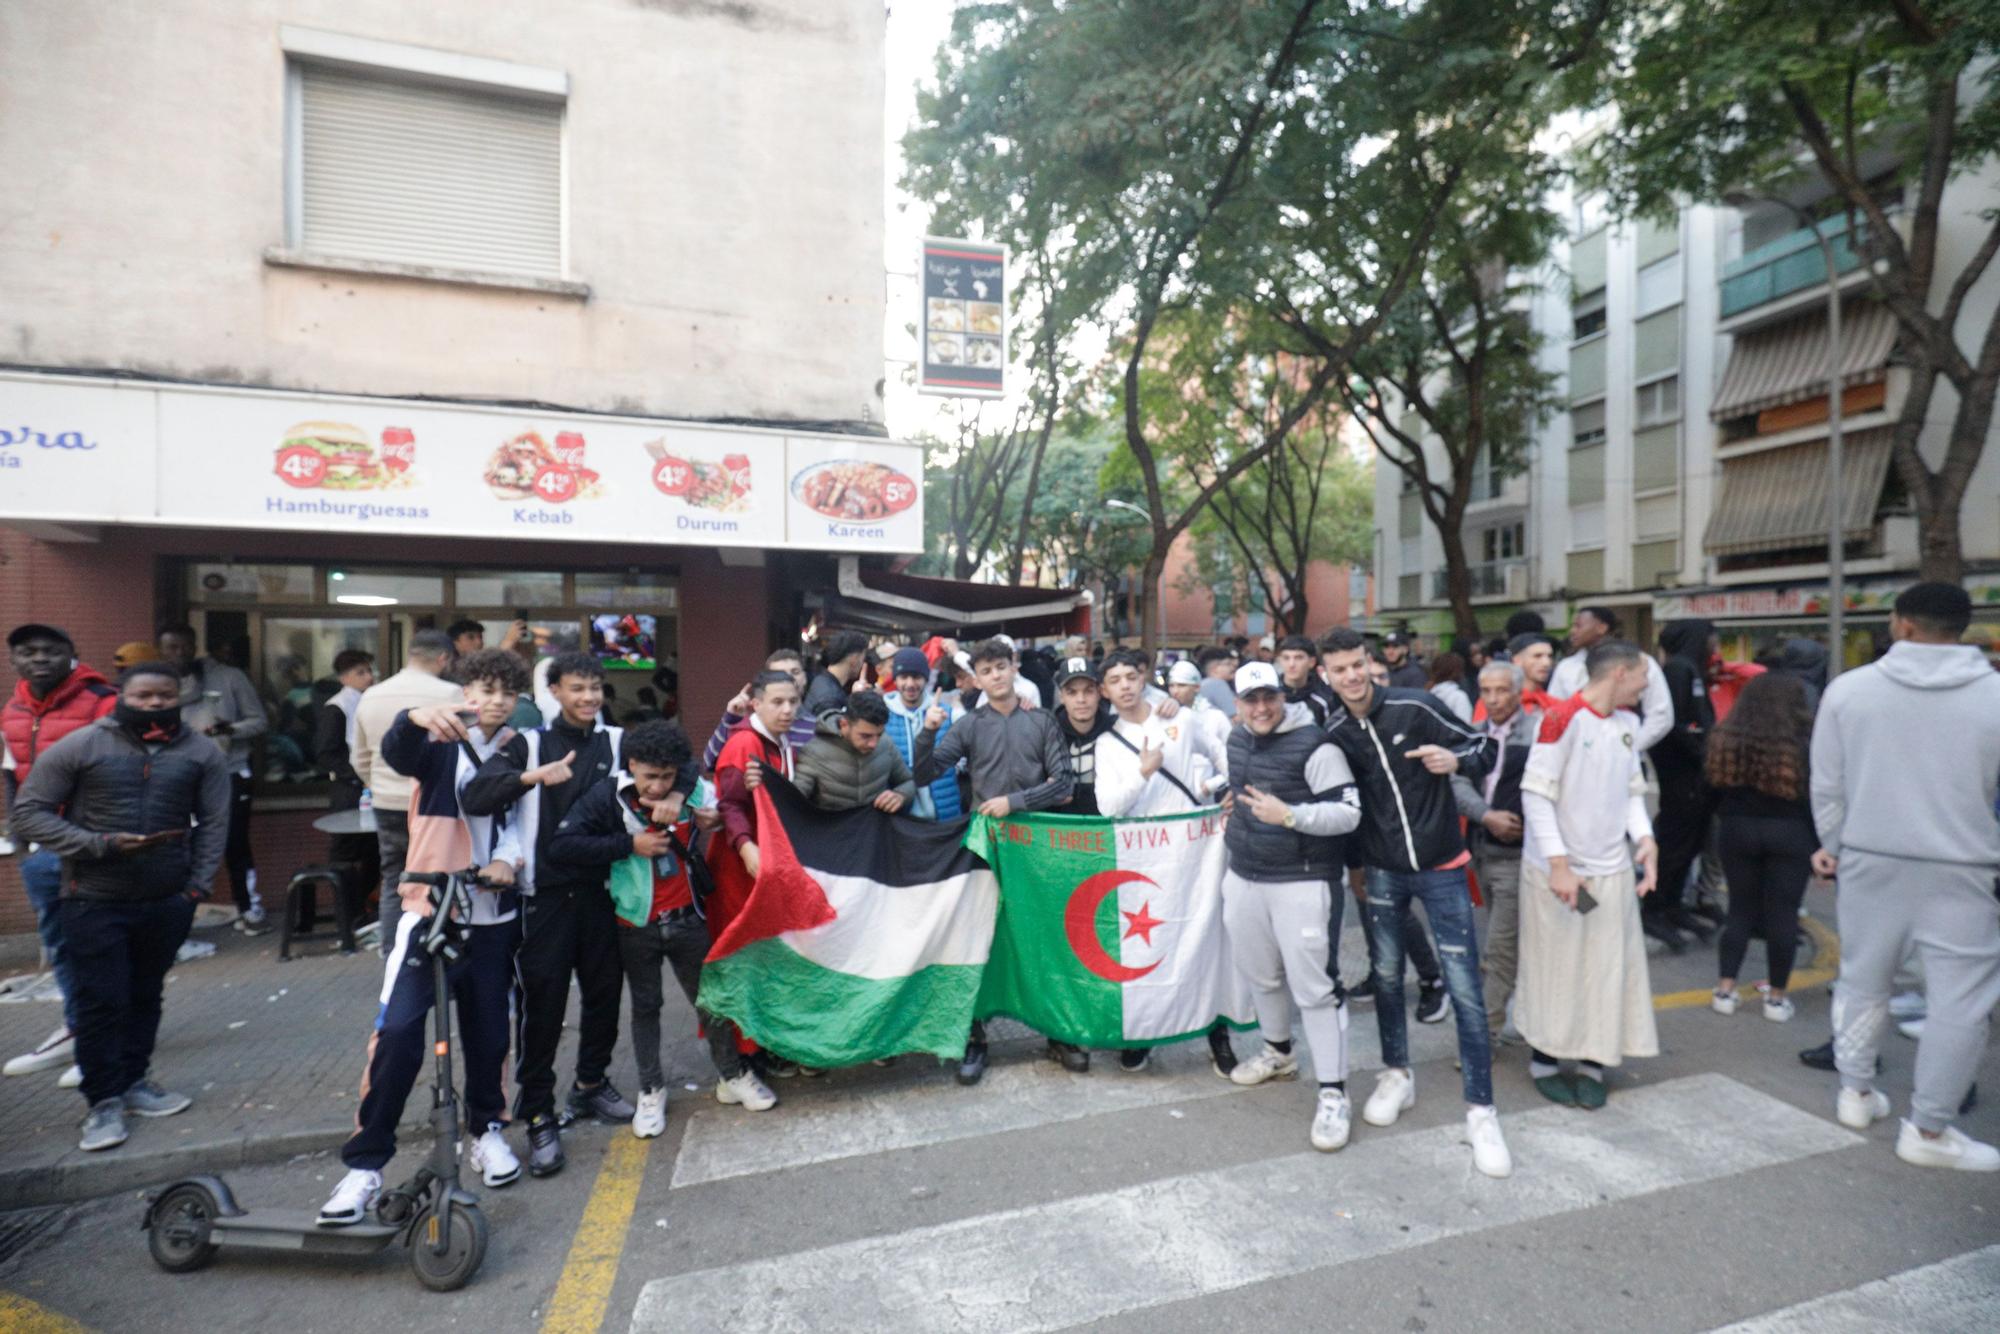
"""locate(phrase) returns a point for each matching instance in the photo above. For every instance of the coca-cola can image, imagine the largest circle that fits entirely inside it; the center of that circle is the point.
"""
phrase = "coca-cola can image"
(399, 448)
(569, 448)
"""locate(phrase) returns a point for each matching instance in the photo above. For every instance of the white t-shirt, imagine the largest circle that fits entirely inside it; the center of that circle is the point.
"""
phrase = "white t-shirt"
(1583, 794)
(1183, 742)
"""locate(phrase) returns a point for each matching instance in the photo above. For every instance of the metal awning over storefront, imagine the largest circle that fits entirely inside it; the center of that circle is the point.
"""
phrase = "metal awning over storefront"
(1777, 499)
(1787, 363)
(884, 600)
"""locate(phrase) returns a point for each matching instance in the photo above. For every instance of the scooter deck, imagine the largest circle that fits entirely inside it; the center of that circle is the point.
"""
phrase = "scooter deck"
(282, 1230)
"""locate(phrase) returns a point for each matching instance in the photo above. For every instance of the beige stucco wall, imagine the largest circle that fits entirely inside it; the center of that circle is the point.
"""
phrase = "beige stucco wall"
(724, 165)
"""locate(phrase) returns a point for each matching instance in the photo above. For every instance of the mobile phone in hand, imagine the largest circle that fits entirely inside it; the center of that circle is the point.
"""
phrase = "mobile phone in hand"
(164, 836)
(1584, 902)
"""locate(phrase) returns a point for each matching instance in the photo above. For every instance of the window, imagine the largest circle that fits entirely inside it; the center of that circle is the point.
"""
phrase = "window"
(1588, 315)
(1657, 402)
(383, 588)
(1656, 345)
(1589, 213)
(226, 585)
(1660, 285)
(406, 170)
(1586, 424)
(619, 590)
(1509, 541)
(512, 588)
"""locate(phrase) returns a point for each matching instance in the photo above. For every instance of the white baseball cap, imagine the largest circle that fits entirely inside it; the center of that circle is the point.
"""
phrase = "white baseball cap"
(1252, 676)
(1183, 673)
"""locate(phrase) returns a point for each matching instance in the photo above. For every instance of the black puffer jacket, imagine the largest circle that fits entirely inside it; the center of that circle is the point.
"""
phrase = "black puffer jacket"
(1412, 817)
(101, 780)
(1681, 750)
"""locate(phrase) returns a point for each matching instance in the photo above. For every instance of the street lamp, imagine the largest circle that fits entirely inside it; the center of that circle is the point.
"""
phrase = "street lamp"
(1836, 538)
(1160, 617)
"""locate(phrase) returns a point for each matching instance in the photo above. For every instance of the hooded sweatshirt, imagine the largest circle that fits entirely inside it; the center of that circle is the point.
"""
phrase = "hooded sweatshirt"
(1906, 757)
(1678, 755)
(1805, 659)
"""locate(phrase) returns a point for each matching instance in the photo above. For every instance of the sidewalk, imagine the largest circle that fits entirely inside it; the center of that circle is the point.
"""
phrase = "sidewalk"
(270, 1052)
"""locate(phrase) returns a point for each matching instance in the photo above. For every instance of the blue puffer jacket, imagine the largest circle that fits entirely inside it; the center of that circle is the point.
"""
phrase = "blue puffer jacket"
(941, 799)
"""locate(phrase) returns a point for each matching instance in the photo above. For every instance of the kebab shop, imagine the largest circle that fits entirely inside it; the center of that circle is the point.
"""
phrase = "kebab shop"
(287, 528)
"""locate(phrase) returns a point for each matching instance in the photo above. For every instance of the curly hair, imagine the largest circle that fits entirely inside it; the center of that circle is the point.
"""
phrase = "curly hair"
(1762, 743)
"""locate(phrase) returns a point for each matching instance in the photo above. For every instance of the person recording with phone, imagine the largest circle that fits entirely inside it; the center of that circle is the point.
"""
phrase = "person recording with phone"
(137, 806)
(1584, 991)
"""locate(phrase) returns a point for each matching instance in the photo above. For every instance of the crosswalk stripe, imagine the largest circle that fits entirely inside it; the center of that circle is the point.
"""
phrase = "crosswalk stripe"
(1956, 1296)
(923, 1106)
(1082, 1259)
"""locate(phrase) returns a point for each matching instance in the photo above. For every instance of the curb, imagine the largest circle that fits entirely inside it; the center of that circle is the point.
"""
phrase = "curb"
(78, 1176)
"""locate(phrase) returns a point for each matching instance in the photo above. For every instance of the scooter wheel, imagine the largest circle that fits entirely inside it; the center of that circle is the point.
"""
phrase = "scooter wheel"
(178, 1228)
(454, 1269)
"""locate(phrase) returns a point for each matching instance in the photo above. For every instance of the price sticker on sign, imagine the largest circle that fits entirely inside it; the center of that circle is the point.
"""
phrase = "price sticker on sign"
(898, 494)
(673, 476)
(301, 466)
(555, 483)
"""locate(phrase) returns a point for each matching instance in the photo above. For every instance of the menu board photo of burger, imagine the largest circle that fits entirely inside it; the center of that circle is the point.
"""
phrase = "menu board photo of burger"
(330, 456)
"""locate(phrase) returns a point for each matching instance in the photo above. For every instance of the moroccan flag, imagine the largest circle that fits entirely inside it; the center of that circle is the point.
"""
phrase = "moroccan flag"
(1110, 931)
(863, 935)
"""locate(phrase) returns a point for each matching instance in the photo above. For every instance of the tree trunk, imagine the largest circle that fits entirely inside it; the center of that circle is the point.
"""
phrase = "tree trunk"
(1149, 596)
(1458, 578)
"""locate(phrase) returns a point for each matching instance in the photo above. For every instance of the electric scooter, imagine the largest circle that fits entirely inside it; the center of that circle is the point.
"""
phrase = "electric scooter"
(440, 1224)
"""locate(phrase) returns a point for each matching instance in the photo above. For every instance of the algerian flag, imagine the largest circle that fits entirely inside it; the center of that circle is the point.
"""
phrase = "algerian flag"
(1110, 931)
(863, 937)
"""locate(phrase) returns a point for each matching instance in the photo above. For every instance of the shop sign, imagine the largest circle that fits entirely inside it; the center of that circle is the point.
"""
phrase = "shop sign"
(93, 451)
(962, 323)
(1805, 601)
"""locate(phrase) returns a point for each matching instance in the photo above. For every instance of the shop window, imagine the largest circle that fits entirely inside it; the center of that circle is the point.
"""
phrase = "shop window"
(628, 589)
(383, 588)
(294, 674)
(236, 585)
(508, 588)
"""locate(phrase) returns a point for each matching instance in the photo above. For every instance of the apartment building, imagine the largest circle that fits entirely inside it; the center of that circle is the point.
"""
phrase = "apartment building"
(1687, 473)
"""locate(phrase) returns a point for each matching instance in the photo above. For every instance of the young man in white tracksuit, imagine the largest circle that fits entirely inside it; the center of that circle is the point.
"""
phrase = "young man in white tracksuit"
(1905, 762)
(1292, 796)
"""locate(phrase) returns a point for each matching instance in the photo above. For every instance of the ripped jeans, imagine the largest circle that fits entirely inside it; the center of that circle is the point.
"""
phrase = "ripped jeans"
(1447, 900)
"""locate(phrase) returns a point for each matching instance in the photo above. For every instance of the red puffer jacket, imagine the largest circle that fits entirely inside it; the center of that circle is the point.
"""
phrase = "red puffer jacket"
(30, 726)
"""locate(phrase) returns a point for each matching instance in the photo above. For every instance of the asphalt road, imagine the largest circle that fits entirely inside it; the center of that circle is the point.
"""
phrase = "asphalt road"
(1715, 1189)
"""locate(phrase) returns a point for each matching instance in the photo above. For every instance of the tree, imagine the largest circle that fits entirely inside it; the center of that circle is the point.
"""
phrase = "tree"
(1231, 157)
(1080, 541)
(1722, 97)
(1309, 500)
(1458, 361)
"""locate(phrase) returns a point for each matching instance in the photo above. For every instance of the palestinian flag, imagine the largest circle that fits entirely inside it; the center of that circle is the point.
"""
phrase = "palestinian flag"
(863, 936)
(1110, 931)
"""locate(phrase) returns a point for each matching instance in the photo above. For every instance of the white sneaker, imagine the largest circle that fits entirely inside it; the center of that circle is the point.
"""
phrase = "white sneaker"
(746, 1091)
(1331, 1122)
(1489, 1146)
(1858, 1111)
(1913, 1029)
(72, 1078)
(1395, 1093)
(1268, 1063)
(351, 1199)
(494, 1159)
(651, 1118)
(58, 1048)
(1953, 1149)
(1779, 1010)
(1908, 1005)
(1723, 1002)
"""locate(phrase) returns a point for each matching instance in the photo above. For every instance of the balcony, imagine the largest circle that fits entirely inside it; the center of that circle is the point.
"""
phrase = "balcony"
(1496, 579)
(1755, 288)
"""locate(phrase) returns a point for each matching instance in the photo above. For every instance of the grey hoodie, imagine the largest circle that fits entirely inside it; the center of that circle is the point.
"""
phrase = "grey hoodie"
(1906, 756)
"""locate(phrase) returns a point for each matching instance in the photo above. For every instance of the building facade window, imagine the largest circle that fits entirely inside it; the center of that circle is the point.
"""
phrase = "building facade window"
(1659, 285)
(1507, 541)
(1587, 315)
(1656, 402)
(389, 168)
(1586, 424)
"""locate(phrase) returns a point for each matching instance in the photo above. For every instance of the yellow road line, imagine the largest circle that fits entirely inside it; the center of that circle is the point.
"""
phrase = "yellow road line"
(1826, 967)
(592, 1266)
(18, 1315)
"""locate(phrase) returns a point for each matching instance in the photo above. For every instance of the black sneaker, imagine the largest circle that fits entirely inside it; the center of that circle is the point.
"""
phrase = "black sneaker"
(604, 1102)
(545, 1150)
(1691, 922)
(1364, 990)
(777, 1067)
(1134, 1059)
(1071, 1058)
(1221, 1052)
(972, 1066)
(1821, 1058)
(1433, 1003)
(1659, 930)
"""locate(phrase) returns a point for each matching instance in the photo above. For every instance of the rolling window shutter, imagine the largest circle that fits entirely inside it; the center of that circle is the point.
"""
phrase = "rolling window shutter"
(416, 173)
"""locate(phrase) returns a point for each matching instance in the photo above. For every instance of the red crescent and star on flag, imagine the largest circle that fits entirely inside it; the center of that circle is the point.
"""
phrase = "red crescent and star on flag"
(1080, 924)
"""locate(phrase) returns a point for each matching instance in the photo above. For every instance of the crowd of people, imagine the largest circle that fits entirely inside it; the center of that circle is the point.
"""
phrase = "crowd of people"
(1514, 776)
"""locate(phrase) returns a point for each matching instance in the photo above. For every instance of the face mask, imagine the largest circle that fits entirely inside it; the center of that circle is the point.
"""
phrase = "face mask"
(148, 725)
